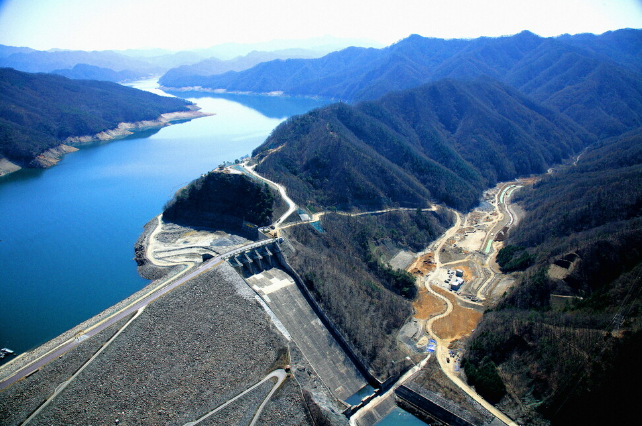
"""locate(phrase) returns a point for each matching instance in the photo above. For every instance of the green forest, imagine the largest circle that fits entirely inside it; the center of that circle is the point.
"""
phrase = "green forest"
(223, 201)
(593, 80)
(39, 111)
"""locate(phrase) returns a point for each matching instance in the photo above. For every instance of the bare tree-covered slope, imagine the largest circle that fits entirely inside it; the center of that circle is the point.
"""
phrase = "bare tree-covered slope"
(444, 142)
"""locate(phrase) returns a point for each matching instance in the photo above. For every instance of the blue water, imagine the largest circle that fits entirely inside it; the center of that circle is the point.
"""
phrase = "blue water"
(356, 398)
(317, 225)
(67, 234)
(400, 417)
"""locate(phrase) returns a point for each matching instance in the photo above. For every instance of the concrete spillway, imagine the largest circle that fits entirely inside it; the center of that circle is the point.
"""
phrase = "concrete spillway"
(325, 355)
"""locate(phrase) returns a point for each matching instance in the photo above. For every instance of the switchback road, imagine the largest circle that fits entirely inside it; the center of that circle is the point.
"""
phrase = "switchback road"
(279, 374)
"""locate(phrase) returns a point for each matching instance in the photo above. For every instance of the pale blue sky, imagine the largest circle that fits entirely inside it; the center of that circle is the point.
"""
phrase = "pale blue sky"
(184, 24)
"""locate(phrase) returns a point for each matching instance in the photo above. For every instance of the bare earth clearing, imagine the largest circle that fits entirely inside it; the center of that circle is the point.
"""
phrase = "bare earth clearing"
(451, 314)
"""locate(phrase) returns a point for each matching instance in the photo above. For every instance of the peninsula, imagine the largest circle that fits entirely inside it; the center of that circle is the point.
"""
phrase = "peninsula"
(42, 116)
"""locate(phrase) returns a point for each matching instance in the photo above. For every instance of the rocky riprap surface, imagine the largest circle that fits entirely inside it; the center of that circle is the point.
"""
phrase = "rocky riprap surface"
(18, 401)
(186, 354)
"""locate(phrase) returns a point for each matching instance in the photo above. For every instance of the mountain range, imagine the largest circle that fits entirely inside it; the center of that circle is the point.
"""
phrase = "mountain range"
(189, 75)
(443, 142)
(596, 80)
(147, 62)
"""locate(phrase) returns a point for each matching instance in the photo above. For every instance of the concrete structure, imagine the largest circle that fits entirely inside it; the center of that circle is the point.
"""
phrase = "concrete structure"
(430, 407)
(254, 259)
(459, 272)
(324, 354)
(456, 283)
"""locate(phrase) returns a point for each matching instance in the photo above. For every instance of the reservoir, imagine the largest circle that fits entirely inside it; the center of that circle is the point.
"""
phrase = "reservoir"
(67, 233)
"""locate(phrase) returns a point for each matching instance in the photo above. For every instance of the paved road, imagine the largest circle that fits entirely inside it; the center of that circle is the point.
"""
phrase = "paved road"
(282, 191)
(66, 383)
(134, 306)
(442, 345)
(143, 301)
(374, 402)
(503, 208)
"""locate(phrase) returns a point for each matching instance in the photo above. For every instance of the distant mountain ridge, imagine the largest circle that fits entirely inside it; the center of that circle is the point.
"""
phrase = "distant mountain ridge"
(189, 75)
(560, 72)
(90, 72)
(444, 142)
(148, 62)
(40, 61)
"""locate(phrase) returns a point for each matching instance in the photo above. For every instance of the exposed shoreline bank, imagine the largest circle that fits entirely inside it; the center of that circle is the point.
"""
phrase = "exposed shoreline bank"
(52, 156)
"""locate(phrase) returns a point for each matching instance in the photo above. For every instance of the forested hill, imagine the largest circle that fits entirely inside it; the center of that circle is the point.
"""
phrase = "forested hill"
(91, 72)
(223, 201)
(445, 142)
(38, 111)
(570, 334)
(596, 80)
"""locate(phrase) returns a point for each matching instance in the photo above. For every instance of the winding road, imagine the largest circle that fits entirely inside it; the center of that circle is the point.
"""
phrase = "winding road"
(291, 204)
(442, 344)
(64, 384)
(137, 304)
(280, 375)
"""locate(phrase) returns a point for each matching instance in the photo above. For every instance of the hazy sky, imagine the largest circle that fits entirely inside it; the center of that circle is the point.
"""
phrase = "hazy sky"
(184, 24)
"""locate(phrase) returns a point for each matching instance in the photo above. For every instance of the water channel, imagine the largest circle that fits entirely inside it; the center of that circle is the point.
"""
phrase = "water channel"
(67, 233)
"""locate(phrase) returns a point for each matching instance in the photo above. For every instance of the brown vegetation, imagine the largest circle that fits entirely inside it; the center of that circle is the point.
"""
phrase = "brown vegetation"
(435, 380)
(362, 296)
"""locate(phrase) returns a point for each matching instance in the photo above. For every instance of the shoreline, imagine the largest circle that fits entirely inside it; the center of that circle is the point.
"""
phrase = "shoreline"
(52, 156)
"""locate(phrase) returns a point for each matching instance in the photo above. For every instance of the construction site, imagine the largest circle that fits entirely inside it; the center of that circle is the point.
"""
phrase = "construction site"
(458, 279)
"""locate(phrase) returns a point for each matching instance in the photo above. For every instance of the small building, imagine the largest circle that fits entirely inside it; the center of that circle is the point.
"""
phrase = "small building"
(459, 272)
(456, 284)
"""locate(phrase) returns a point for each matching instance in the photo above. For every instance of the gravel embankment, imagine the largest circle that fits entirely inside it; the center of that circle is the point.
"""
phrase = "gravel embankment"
(322, 403)
(189, 352)
(242, 410)
(146, 269)
(18, 401)
(285, 407)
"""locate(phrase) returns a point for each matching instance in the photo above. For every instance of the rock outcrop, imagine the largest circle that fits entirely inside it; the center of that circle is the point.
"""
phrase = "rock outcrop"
(51, 156)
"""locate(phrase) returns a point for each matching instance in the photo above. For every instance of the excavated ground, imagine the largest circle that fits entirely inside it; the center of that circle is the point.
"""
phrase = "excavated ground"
(461, 321)
(426, 305)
